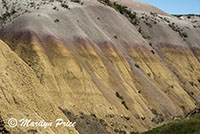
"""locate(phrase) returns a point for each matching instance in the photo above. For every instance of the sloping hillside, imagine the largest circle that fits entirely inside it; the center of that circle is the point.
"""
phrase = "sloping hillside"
(187, 125)
(110, 68)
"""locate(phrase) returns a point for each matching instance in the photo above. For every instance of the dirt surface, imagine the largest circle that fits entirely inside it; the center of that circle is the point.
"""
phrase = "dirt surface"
(115, 67)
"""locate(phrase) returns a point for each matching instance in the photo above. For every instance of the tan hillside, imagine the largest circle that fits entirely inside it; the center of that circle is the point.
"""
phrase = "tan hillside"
(86, 62)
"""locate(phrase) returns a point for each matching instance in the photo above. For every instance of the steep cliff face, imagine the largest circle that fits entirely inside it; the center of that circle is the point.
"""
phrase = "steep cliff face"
(106, 66)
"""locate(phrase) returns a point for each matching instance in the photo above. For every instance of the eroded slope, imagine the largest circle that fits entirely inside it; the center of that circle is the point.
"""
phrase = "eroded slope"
(93, 65)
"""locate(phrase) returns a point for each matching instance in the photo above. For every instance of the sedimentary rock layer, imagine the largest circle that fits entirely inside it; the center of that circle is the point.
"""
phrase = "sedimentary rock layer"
(89, 64)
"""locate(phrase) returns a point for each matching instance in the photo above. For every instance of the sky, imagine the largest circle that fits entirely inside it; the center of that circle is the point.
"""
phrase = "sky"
(176, 6)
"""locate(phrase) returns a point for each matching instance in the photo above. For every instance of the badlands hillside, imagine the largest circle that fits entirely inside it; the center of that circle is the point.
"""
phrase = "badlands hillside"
(111, 66)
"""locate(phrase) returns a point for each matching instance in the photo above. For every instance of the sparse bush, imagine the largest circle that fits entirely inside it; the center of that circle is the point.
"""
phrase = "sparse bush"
(119, 131)
(184, 126)
(13, 11)
(176, 28)
(149, 74)
(56, 20)
(124, 103)
(184, 34)
(154, 14)
(148, 24)
(132, 132)
(192, 93)
(5, 15)
(134, 22)
(106, 2)
(115, 37)
(183, 108)
(32, 131)
(154, 111)
(191, 83)
(165, 19)
(127, 118)
(144, 35)
(119, 96)
(158, 119)
(131, 16)
(140, 30)
(136, 65)
(65, 6)
(76, 1)
(152, 52)
(188, 17)
(143, 118)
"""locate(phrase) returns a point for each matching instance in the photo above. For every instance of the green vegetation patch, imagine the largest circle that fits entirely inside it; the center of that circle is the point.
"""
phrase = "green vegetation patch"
(185, 126)
(122, 100)
(122, 10)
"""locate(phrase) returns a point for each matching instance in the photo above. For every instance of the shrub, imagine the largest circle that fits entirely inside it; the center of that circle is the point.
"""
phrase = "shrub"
(184, 34)
(132, 132)
(185, 126)
(158, 119)
(152, 52)
(154, 14)
(5, 15)
(122, 10)
(183, 107)
(127, 118)
(119, 96)
(176, 28)
(76, 1)
(154, 111)
(115, 37)
(146, 36)
(65, 6)
(150, 44)
(140, 30)
(134, 22)
(119, 131)
(136, 65)
(124, 103)
(192, 93)
(32, 131)
(149, 74)
(13, 11)
(143, 118)
(56, 20)
(191, 83)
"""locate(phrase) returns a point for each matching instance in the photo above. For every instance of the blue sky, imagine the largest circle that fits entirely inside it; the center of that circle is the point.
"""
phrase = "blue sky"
(176, 6)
